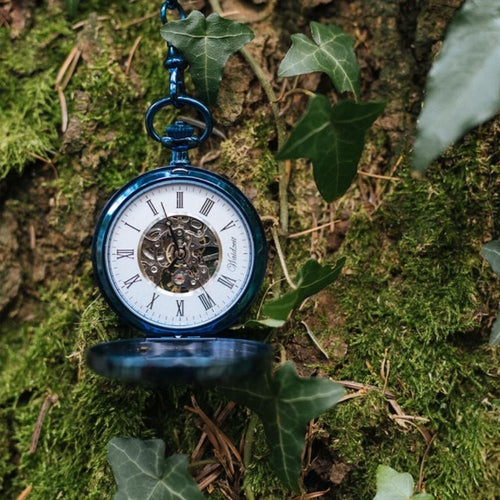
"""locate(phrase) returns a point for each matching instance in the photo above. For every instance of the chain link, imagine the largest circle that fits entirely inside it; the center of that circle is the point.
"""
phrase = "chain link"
(175, 62)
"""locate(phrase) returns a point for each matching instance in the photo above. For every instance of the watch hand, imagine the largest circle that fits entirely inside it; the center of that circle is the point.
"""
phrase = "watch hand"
(169, 226)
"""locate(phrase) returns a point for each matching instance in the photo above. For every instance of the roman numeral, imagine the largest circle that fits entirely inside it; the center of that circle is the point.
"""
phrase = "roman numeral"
(132, 280)
(180, 307)
(155, 296)
(207, 206)
(207, 301)
(229, 282)
(130, 225)
(125, 254)
(152, 207)
(180, 199)
(228, 226)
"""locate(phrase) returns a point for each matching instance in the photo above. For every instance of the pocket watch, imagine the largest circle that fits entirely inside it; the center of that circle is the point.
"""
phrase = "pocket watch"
(179, 253)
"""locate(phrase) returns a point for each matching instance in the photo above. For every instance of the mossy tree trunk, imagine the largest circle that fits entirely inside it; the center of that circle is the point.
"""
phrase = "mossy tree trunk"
(415, 291)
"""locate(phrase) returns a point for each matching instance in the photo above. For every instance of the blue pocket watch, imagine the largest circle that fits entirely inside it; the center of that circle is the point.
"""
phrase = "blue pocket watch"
(179, 253)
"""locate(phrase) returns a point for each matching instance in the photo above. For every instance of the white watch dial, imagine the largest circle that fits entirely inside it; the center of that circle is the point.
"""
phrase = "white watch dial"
(179, 255)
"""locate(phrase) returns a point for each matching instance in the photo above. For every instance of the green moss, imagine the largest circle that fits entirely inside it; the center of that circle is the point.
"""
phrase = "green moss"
(246, 158)
(29, 119)
(416, 287)
(28, 101)
(48, 357)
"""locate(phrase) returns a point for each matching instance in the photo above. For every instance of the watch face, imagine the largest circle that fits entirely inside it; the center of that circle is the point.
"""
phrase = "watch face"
(179, 251)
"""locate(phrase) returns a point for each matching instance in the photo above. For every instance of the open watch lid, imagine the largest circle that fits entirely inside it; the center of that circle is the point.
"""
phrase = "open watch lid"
(161, 361)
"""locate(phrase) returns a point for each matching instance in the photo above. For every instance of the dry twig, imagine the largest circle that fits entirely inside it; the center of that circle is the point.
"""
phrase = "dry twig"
(31, 230)
(138, 20)
(50, 399)
(209, 479)
(223, 447)
(128, 64)
(378, 176)
(63, 77)
(47, 162)
(421, 474)
(279, 251)
(24, 494)
(313, 229)
(81, 24)
(310, 496)
(219, 417)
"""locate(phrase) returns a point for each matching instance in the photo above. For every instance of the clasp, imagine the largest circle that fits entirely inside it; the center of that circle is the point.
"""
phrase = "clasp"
(175, 62)
(172, 139)
(171, 5)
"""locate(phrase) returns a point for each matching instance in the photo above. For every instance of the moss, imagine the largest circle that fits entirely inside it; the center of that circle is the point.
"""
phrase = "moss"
(28, 102)
(246, 158)
(416, 286)
(70, 456)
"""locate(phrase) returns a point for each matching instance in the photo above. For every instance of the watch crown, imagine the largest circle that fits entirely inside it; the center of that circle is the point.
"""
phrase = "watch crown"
(179, 130)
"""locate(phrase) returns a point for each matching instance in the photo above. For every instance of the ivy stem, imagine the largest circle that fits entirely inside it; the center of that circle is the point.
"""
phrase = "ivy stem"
(247, 451)
(279, 121)
(274, 232)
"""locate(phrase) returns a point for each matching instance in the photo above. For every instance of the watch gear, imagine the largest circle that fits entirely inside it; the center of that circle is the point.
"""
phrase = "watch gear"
(179, 254)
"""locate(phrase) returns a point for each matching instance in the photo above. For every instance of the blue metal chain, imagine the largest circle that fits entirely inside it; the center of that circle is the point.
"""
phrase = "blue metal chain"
(175, 62)
(179, 136)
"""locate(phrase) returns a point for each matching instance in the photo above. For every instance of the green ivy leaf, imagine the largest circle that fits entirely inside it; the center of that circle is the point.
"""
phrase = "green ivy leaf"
(491, 251)
(285, 404)
(393, 485)
(207, 43)
(332, 54)
(495, 332)
(141, 471)
(264, 323)
(333, 138)
(463, 86)
(311, 279)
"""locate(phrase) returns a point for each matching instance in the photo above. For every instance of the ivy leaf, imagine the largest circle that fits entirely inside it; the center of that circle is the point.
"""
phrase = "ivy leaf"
(491, 251)
(141, 471)
(393, 485)
(333, 138)
(264, 323)
(332, 54)
(285, 404)
(207, 43)
(463, 86)
(495, 331)
(311, 279)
